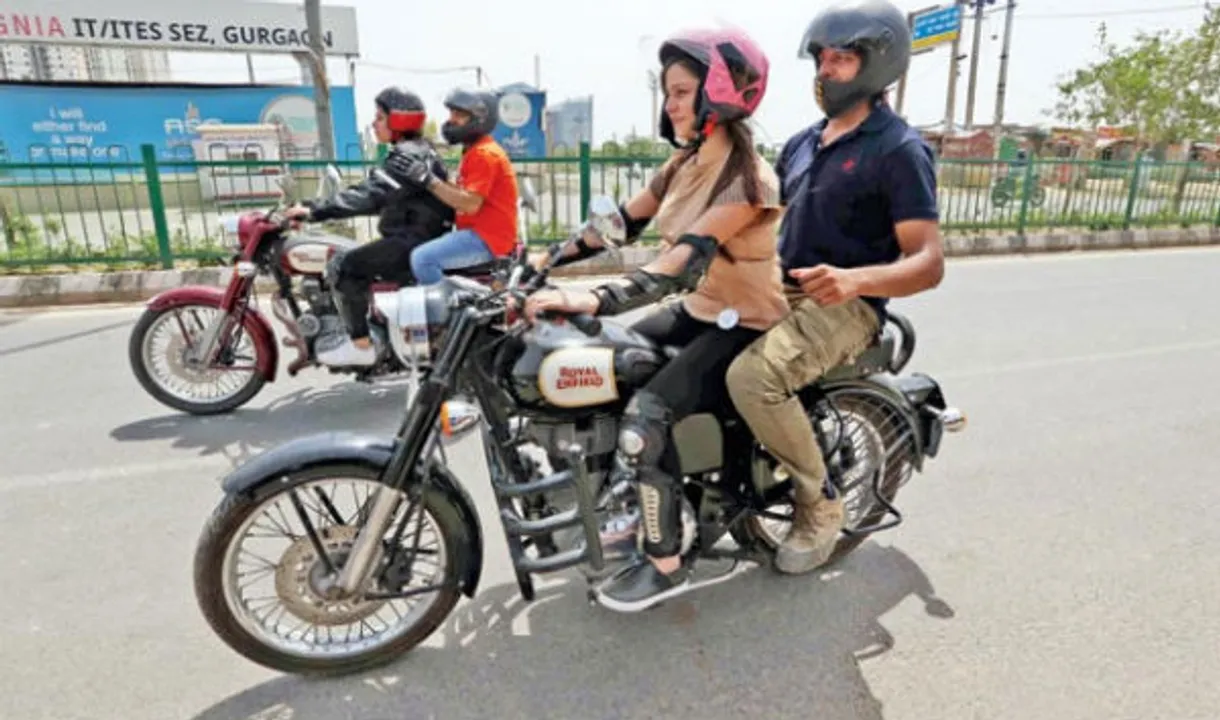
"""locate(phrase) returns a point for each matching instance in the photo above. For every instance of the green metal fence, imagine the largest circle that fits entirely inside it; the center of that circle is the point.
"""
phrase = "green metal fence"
(153, 212)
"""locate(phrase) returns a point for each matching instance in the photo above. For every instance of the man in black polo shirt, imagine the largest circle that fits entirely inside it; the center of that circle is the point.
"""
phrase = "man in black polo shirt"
(860, 226)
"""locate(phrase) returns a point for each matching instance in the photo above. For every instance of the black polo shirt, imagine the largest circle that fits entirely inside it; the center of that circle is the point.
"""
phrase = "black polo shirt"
(843, 200)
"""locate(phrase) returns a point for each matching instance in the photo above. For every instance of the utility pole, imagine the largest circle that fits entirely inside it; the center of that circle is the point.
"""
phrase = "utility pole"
(974, 62)
(654, 86)
(954, 60)
(902, 82)
(321, 88)
(1001, 84)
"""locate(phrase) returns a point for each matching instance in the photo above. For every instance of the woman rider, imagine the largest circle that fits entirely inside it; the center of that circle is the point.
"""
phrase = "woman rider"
(715, 203)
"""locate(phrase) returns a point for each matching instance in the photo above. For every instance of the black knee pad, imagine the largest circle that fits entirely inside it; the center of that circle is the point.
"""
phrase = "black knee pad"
(660, 512)
(645, 429)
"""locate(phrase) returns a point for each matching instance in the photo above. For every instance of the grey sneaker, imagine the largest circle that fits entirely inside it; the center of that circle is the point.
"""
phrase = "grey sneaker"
(811, 540)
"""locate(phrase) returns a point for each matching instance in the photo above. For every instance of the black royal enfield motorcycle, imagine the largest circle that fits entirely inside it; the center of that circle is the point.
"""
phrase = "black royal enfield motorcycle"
(373, 540)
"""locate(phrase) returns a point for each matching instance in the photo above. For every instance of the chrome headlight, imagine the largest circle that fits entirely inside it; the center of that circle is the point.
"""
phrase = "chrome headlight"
(406, 316)
(417, 318)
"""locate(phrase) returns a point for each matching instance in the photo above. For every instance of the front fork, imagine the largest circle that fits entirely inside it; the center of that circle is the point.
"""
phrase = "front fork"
(205, 352)
(359, 566)
(417, 438)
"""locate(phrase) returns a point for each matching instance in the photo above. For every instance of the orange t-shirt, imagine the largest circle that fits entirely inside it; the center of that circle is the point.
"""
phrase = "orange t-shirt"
(486, 171)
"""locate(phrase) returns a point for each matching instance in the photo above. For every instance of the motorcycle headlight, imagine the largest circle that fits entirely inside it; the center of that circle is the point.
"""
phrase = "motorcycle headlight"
(417, 317)
(406, 316)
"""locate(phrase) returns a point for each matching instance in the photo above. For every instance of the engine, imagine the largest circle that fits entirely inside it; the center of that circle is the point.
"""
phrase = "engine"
(319, 316)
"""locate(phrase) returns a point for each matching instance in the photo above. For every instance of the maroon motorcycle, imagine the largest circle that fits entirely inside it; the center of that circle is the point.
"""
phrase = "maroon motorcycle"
(207, 350)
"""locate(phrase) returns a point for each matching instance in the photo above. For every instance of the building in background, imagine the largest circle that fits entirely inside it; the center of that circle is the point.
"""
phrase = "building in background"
(74, 63)
(568, 124)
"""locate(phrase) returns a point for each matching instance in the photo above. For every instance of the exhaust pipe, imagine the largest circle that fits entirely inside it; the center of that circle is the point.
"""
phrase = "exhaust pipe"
(279, 308)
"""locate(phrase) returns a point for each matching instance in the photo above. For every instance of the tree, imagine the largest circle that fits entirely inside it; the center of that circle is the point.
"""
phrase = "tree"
(1164, 86)
(430, 131)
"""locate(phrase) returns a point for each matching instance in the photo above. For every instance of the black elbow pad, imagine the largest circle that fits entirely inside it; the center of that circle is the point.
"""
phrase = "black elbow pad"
(644, 288)
(635, 226)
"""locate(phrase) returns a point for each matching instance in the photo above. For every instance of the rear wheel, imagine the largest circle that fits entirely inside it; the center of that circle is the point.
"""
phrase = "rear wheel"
(262, 586)
(158, 349)
(877, 447)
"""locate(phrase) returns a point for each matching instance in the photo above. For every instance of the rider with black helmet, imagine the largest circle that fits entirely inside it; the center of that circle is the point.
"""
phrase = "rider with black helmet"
(861, 226)
(484, 194)
(409, 217)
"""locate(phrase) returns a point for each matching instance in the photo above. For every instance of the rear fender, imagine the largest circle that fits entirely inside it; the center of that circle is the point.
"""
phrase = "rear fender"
(892, 391)
(254, 322)
(263, 472)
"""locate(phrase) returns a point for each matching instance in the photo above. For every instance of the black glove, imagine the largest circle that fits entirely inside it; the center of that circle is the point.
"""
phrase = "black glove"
(407, 168)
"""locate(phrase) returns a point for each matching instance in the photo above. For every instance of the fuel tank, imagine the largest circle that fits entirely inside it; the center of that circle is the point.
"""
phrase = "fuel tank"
(307, 254)
(557, 370)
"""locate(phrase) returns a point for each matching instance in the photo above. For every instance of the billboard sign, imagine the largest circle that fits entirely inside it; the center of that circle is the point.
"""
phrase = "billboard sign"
(90, 123)
(934, 27)
(224, 26)
(520, 128)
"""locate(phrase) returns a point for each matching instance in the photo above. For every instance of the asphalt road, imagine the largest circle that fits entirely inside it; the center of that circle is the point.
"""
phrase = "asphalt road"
(1058, 560)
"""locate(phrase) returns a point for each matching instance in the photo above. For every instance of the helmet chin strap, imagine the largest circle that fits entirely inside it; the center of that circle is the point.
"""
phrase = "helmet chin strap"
(694, 143)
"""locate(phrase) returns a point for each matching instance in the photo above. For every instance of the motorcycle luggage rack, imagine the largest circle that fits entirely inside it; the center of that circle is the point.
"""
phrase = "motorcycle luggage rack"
(584, 514)
(835, 476)
(881, 524)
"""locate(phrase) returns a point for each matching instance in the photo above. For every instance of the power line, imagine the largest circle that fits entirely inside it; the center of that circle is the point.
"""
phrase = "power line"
(1110, 13)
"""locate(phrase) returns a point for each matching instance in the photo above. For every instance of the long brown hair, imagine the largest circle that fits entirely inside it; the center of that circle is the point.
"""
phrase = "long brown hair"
(740, 163)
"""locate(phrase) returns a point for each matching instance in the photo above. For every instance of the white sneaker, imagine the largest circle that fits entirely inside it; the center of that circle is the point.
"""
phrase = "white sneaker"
(347, 354)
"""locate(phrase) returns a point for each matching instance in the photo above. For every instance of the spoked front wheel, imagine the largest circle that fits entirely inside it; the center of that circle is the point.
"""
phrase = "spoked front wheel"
(267, 592)
(160, 359)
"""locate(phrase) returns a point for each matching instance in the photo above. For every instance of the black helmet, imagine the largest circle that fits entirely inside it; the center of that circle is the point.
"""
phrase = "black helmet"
(484, 109)
(405, 113)
(877, 31)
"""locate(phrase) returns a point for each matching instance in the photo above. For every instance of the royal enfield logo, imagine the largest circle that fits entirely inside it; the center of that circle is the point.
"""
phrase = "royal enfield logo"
(579, 377)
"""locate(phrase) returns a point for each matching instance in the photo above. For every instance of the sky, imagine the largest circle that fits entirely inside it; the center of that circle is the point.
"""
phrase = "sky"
(605, 49)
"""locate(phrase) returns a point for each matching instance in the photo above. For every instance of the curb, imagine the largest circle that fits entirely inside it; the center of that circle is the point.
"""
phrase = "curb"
(135, 286)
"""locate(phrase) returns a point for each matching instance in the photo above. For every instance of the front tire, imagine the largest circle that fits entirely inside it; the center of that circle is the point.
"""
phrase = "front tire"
(216, 573)
(163, 373)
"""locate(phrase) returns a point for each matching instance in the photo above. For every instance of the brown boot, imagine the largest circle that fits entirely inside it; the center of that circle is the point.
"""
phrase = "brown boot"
(815, 530)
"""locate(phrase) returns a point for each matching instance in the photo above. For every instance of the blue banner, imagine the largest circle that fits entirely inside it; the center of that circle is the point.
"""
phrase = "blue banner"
(81, 124)
(520, 128)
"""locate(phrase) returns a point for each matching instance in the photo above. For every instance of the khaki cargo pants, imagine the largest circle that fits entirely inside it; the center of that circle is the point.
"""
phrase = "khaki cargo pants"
(764, 378)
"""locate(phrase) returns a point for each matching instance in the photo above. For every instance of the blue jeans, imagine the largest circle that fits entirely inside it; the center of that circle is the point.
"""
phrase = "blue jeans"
(457, 249)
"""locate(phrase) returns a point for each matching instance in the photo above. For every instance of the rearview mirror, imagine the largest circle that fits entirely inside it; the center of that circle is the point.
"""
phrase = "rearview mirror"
(287, 185)
(529, 198)
(607, 221)
(331, 182)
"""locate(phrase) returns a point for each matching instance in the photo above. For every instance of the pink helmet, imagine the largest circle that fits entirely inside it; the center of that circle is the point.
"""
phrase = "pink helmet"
(734, 76)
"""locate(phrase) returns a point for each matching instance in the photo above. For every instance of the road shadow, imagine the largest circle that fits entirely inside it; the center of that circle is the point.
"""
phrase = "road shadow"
(243, 433)
(762, 645)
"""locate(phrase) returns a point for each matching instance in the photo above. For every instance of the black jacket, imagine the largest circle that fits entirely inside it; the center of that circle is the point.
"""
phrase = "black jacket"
(410, 213)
